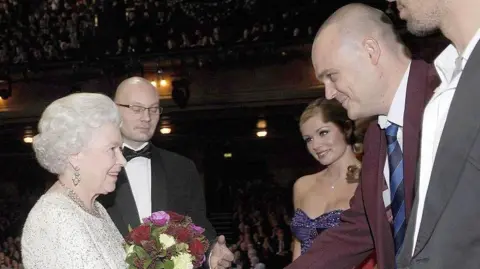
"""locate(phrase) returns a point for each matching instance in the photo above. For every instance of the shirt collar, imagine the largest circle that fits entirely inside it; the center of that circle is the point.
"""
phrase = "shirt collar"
(135, 149)
(397, 109)
(445, 63)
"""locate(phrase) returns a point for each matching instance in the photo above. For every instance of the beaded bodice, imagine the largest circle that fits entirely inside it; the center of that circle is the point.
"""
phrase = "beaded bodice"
(306, 229)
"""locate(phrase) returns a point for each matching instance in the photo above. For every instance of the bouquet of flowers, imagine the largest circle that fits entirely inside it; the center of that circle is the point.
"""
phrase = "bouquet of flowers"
(166, 240)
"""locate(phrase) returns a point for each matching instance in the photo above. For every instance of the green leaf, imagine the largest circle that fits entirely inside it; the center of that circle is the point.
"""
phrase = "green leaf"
(147, 263)
(142, 254)
(129, 228)
(132, 267)
(159, 265)
(130, 258)
(169, 264)
(162, 253)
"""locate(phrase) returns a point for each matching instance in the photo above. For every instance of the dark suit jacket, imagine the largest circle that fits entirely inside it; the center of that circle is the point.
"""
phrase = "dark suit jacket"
(449, 235)
(176, 186)
(365, 227)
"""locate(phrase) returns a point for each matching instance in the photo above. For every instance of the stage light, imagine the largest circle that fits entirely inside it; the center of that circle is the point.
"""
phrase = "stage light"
(28, 135)
(163, 82)
(165, 130)
(262, 124)
(262, 133)
(28, 139)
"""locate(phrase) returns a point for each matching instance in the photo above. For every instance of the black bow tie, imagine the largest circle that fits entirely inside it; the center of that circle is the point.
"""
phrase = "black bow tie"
(129, 153)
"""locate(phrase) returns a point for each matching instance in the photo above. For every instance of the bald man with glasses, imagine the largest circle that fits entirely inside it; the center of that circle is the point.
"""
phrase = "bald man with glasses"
(155, 179)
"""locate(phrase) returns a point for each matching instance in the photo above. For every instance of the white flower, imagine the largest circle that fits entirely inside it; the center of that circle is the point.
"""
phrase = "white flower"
(182, 261)
(166, 240)
(130, 249)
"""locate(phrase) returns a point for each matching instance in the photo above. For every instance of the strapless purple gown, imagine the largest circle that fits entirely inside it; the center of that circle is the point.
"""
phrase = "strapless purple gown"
(306, 229)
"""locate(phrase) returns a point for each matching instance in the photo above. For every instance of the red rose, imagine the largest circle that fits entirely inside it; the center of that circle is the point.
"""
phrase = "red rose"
(172, 230)
(175, 217)
(196, 247)
(141, 233)
(183, 234)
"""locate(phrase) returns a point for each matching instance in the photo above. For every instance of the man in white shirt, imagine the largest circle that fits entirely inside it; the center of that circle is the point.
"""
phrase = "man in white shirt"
(446, 214)
(155, 179)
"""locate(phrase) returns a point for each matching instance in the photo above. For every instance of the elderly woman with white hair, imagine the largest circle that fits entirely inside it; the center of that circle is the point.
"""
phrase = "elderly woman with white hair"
(79, 140)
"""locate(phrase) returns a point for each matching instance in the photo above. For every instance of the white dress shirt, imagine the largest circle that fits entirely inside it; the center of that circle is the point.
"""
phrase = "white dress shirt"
(140, 178)
(449, 65)
(395, 115)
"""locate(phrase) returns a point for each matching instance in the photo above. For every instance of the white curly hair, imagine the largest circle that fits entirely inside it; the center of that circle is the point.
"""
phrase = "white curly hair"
(66, 127)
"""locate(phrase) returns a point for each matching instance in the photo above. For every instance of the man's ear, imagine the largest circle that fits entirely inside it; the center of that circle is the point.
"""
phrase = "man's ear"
(373, 50)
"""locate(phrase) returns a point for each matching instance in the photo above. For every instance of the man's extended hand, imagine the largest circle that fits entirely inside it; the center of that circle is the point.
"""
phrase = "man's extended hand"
(220, 257)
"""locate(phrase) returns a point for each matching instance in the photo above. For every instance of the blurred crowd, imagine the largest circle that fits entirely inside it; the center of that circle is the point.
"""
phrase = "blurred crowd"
(10, 253)
(262, 224)
(12, 214)
(54, 30)
(16, 200)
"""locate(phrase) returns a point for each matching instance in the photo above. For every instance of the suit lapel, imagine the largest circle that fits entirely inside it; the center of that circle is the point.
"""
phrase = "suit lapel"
(373, 165)
(461, 128)
(373, 185)
(416, 98)
(159, 181)
(373, 162)
(419, 91)
(124, 197)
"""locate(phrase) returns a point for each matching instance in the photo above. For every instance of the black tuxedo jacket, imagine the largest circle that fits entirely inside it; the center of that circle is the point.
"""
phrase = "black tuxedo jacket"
(175, 187)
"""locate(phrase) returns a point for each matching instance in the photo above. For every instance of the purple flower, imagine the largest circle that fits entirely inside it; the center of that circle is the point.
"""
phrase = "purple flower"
(197, 229)
(159, 218)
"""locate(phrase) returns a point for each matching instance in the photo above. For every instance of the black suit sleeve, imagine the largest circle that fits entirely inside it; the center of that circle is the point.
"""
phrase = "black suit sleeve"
(197, 209)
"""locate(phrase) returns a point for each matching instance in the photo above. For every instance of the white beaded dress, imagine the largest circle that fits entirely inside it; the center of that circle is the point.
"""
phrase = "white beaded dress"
(58, 233)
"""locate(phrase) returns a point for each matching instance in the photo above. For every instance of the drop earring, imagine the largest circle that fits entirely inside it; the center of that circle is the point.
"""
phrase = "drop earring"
(76, 176)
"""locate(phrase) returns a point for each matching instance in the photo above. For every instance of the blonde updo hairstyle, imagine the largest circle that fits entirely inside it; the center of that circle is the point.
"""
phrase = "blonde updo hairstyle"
(66, 127)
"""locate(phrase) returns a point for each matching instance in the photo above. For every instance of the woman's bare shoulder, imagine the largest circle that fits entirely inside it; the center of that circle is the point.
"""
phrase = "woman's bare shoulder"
(304, 183)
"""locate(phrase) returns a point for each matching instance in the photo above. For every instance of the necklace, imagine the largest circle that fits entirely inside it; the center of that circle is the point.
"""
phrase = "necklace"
(332, 185)
(74, 197)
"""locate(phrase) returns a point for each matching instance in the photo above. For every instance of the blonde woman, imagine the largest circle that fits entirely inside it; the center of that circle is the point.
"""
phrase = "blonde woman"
(320, 198)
